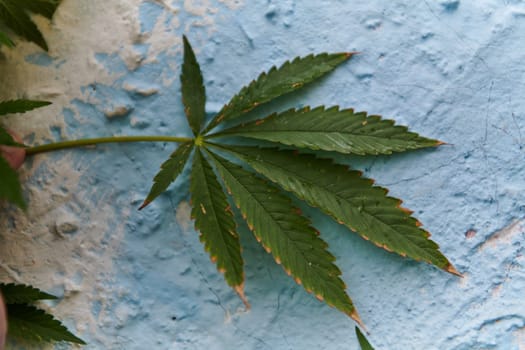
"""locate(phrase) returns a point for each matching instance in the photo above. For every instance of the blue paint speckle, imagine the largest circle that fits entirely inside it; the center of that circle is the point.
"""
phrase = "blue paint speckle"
(112, 62)
(56, 132)
(450, 5)
(40, 59)
(149, 12)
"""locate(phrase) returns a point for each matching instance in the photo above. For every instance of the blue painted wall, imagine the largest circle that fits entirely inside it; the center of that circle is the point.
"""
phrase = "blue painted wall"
(452, 70)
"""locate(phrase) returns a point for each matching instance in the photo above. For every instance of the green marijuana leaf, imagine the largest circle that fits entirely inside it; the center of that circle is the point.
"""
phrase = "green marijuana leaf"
(261, 186)
(277, 224)
(20, 106)
(10, 188)
(15, 15)
(287, 235)
(214, 219)
(363, 342)
(193, 93)
(169, 172)
(349, 198)
(29, 323)
(32, 324)
(332, 129)
(22, 294)
(278, 82)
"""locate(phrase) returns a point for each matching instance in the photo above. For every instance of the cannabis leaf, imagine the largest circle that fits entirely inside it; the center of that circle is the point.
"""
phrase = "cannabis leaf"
(363, 342)
(32, 324)
(169, 172)
(332, 129)
(22, 294)
(277, 82)
(214, 219)
(15, 15)
(193, 93)
(287, 235)
(28, 322)
(10, 188)
(349, 198)
(258, 186)
(20, 106)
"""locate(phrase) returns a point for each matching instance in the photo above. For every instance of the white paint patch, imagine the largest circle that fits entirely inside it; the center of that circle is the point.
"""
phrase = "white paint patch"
(44, 249)
(75, 266)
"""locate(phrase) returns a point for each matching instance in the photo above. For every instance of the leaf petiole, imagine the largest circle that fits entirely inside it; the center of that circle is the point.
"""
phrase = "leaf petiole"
(95, 141)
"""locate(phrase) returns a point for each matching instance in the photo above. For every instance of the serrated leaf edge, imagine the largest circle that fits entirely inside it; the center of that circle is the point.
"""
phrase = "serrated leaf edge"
(353, 314)
(219, 117)
(237, 130)
(448, 268)
(239, 288)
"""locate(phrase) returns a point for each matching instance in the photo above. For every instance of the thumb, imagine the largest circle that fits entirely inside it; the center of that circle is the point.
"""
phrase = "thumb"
(14, 155)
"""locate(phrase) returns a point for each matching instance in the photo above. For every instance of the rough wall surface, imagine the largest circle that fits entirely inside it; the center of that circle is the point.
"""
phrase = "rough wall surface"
(452, 70)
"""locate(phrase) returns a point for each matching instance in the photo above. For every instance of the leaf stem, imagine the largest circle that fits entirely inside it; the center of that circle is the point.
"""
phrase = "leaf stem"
(95, 141)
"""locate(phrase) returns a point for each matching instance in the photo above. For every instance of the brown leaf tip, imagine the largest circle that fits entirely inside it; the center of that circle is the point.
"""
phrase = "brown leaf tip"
(351, 53)
(240, 291)
(355, 316)
(146, 202)
(451, 269)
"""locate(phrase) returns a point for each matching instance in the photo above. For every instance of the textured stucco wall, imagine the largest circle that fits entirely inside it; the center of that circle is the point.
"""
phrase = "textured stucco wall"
(451, 70)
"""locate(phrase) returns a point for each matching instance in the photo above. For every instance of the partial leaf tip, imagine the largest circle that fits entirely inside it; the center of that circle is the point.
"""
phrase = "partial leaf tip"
(145, 204)
(240, 291)
(351, 53)
(355, 316)
(451, 269)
